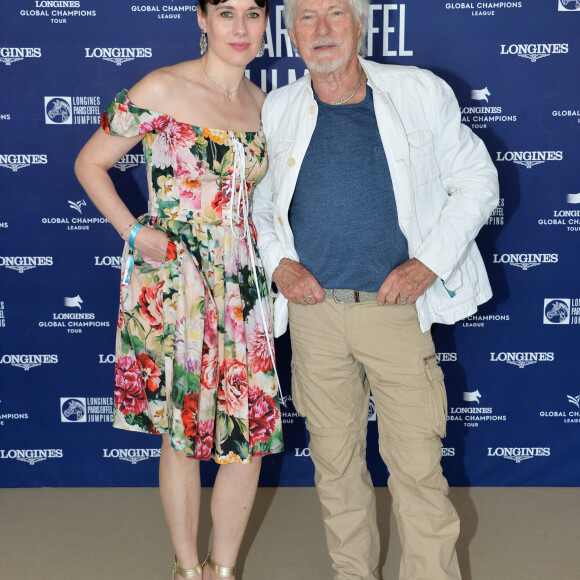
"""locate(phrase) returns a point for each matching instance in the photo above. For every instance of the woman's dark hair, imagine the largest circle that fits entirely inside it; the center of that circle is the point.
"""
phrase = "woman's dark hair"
(203, 4)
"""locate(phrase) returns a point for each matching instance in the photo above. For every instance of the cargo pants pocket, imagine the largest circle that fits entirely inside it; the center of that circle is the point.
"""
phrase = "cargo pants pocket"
(297, 387)
(438, 396)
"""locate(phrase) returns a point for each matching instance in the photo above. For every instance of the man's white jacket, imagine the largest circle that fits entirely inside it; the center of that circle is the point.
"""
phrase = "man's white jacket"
(444, 181)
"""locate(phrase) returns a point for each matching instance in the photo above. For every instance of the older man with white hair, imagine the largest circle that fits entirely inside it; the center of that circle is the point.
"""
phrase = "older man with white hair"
(366, 223)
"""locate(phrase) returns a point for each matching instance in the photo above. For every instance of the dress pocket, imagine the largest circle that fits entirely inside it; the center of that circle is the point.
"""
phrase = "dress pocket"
(146, 277)
(438, 396)
(144, 261)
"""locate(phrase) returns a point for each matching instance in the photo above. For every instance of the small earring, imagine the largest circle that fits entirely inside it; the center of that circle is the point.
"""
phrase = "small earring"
(263, 47)
(203, 43)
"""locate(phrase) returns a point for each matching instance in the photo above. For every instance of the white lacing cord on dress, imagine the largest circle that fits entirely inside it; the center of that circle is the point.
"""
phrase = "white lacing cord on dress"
(243, 210)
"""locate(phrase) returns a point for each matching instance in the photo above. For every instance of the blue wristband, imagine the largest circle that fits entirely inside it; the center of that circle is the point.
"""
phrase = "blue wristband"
(130, 261)
(133, 235)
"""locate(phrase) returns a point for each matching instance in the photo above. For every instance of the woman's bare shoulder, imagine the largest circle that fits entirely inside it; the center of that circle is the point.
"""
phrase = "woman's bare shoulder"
(158, 87)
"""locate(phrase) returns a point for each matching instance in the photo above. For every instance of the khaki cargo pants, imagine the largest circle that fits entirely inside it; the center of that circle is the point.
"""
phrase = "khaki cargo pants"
(333, 346)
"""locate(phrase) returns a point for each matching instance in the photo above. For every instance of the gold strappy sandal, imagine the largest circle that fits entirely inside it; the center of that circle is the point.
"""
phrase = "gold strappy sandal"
(221, 571)
(186, 572)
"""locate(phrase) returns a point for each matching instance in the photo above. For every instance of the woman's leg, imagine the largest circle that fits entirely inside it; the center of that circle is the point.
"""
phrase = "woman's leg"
(231, 503)
(180, 489)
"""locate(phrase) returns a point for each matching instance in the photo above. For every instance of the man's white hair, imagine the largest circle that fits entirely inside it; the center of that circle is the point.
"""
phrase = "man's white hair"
(360, 9)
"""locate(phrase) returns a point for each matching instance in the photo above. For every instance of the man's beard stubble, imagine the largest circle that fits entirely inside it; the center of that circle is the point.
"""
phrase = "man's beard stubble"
(327, 67)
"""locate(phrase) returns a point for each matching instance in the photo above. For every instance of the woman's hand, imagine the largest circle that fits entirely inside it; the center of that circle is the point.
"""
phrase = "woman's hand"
(152, 243)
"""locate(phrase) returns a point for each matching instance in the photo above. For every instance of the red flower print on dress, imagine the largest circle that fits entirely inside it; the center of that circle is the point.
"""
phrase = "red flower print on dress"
(151, 304)
(171, 137)
(205, 437)
(253, 232)
(233, 394)
(130, 394)
(171, 252)
(209, 368)
(150, 372)
(105, 122)
(189, 415)
(262, 416)
(159, 123)
(220, 199)
(259, 359)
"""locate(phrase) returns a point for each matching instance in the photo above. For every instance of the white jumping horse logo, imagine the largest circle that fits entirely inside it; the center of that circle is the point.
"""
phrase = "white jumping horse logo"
(480, 94)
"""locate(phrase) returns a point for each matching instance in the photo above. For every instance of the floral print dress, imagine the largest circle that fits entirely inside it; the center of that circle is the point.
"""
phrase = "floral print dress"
(194, 355)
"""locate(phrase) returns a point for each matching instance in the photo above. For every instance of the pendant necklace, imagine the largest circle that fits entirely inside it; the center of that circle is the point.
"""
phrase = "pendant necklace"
(218, 84)
(352, 92)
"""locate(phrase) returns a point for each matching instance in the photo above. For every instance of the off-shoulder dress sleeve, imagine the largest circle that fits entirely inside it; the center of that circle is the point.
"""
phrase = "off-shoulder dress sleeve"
(123, 119)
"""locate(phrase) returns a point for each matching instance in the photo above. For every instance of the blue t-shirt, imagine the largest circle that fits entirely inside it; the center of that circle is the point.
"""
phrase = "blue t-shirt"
(343, 213)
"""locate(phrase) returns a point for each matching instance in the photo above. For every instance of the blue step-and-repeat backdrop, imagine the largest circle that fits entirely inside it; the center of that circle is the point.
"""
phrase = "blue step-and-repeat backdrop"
(511, 369)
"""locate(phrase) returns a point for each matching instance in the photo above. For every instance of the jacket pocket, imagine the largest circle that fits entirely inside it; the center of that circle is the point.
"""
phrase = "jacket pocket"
(278, 153)
(423, 163)
(438, 396)
(278, 146)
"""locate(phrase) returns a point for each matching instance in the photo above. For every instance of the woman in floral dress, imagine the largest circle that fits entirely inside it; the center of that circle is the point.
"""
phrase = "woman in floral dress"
(194, 352)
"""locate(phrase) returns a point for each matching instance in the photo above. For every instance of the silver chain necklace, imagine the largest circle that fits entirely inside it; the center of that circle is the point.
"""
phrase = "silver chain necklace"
(351, 93)
(218, 84)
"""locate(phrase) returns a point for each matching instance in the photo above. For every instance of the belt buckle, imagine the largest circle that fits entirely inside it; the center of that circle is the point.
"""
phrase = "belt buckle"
(355, 297)
(335, 297)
